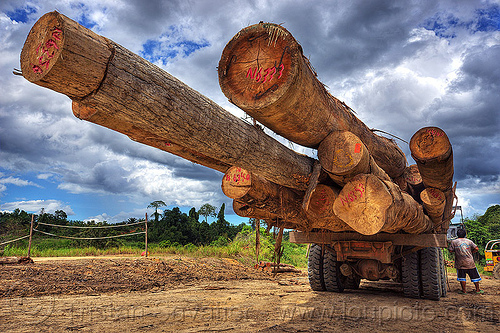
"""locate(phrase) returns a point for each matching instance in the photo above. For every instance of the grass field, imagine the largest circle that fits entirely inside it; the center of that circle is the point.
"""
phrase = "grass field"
(242, 248)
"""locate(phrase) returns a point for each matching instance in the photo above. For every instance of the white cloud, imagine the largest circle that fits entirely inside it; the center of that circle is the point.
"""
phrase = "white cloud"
(17, 181)
(35, 206)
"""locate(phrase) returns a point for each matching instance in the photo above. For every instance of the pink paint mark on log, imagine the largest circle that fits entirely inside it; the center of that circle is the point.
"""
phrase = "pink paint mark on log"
(282, 67)
(352, 195)
(36, 69)
(56, 34)
(264, 75)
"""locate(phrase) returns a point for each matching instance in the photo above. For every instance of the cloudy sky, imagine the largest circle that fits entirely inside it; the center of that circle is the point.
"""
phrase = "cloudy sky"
(401, 65)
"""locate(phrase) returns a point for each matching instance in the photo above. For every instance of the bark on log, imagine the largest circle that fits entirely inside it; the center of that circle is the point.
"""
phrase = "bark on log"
(300, 223)
(370, 205)
(343, 156)
(263, 71)
(431, 149)
(258, 198)
(245, 210)
(82, 112)
(433, 201)
(126, 93)
(250, 188)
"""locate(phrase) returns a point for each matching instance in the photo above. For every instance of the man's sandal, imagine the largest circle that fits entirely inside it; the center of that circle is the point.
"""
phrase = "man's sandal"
(480, 292)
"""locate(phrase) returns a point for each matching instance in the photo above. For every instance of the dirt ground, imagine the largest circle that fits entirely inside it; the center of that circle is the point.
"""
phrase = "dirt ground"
(177, 294)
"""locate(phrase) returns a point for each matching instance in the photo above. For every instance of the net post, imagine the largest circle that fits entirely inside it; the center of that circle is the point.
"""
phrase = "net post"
(146, 236)
(31, 234)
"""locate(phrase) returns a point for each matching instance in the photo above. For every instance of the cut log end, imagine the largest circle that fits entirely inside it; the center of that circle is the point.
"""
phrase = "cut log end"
(343, 154)
(54, 56)
(362, 204)
(321, 202)
(412, 175)
(42, 48)
(258, 65)
(236, 182)
(429, 143)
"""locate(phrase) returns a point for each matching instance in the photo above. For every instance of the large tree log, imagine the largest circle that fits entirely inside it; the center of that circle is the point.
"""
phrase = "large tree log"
(82, 111)
(257, 197)
(332, 224)
(250, 188)
(124, 92)
(431, 149)
(343, 156)
(414, 183)
(370, 205)
(434, 202)
(263, 71)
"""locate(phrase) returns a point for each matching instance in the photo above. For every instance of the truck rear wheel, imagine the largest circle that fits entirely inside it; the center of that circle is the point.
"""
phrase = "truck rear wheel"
(334, 280)
(430, 273)
(410, 275)
(315, 268)
(444, 282)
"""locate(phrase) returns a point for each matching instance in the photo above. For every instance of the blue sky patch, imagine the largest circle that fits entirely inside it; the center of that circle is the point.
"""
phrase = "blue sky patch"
(486, 19)
(170, 45)
(86, 21)
(489, 19)
(21, 15)
(84, 18)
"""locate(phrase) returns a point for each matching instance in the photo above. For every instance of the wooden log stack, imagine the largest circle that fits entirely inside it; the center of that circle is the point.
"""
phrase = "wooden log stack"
(359, 182)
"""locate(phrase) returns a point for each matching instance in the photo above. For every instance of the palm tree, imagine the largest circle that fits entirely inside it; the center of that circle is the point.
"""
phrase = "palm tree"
(155, 205)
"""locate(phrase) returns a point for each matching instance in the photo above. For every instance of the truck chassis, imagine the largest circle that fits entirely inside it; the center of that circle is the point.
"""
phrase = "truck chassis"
(338, 261)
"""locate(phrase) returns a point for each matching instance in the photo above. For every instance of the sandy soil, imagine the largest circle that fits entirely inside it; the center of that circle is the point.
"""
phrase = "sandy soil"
(216, 295)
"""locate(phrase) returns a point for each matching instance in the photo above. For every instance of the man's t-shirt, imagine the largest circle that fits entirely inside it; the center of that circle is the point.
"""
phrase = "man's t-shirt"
(462, 247)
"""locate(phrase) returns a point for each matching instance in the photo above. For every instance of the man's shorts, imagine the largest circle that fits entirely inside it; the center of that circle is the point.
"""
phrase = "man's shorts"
(473, 274)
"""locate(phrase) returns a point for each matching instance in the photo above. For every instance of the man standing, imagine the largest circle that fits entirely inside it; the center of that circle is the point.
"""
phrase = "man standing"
(464, 261)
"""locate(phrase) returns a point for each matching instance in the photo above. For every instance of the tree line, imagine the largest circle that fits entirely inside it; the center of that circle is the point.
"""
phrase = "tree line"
(170, 227)
(173, 227)
(483, 228)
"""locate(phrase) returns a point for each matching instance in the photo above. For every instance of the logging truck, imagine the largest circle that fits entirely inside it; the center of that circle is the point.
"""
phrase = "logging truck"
(365, 212)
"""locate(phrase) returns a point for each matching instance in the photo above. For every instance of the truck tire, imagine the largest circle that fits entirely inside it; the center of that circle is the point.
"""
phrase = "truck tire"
(442, 269)
(496, 271)
(334, 280)
(410, 275)
(430, 272)
(315, 268)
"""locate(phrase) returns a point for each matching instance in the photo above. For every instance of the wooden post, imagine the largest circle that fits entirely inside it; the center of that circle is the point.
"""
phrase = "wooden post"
(257, 238)
(146, 235)
(263, 71)
(31, 234)
(112, 87)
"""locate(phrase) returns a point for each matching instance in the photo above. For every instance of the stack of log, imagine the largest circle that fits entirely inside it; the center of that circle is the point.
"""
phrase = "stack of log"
(360, 181)
(363, 183)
